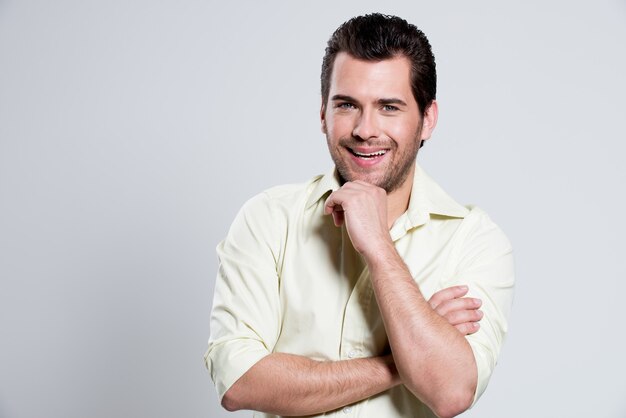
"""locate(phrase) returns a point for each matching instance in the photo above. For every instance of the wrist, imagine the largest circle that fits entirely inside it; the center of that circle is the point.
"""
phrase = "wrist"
(394, 376)
(385, 371)
(379, 251)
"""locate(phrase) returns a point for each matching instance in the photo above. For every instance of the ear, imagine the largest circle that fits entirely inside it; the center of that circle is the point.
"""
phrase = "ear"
(430, 120)
(323, 117)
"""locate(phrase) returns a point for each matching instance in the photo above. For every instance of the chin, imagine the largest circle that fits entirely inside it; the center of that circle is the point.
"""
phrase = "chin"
(364, 177)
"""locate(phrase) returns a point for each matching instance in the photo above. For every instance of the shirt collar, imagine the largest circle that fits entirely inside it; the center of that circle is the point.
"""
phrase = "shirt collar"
(427, 198)
(326, 184)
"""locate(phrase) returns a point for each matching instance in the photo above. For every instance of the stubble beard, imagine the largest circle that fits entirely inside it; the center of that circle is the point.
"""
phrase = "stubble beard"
(397, 170)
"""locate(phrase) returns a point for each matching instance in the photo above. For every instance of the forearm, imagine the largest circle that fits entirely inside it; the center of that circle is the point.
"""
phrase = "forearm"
(286, 384)
(433, 359)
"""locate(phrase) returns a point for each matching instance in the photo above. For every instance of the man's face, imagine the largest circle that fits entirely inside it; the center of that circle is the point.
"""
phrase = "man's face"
(372, 122)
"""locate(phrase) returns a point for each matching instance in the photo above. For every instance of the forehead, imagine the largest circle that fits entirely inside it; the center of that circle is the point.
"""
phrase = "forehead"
(371, 79)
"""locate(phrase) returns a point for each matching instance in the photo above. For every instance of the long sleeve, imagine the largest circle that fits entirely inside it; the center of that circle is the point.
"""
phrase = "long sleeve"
(484, 262)
(245, 320)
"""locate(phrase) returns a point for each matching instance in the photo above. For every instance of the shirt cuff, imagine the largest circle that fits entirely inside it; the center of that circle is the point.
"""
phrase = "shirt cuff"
(484, 367)
(228, 361)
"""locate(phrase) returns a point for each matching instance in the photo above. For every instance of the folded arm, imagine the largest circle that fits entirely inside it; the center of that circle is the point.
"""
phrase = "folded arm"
(249, 376)
(286, 384)
(434, 360)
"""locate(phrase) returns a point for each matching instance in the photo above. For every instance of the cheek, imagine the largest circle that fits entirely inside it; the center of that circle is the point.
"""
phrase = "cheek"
(397, 133)
(401, 132)
(339, 127)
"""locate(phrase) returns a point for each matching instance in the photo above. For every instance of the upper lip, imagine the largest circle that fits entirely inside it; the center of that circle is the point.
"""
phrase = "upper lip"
(365, 150)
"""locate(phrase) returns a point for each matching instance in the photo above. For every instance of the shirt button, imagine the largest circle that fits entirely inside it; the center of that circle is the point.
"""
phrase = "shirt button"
(352, 353)
(347, 410)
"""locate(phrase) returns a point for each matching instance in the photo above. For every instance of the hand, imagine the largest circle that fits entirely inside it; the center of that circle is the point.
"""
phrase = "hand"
(363, 208)
(462, 312)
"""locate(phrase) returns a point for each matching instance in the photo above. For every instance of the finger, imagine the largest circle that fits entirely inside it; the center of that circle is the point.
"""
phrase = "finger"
(331, 202)
(468, 328)
(363, 185)
(457, 304)
(338, 217)
(336, 199)
(459, 317)
(448, 293)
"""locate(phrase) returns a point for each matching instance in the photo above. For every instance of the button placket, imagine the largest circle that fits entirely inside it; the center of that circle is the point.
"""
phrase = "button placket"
(354, 320)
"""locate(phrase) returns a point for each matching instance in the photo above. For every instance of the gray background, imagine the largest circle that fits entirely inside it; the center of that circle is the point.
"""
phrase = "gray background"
(131, 133)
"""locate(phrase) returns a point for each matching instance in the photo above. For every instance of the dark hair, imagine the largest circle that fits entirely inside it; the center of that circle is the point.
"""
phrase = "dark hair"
(375, 37)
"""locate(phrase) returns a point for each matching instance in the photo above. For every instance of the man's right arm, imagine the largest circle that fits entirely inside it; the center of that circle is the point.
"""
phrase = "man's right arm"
(287, 384)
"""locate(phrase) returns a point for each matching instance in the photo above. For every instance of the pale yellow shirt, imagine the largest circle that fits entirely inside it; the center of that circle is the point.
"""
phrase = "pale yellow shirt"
(289, 281)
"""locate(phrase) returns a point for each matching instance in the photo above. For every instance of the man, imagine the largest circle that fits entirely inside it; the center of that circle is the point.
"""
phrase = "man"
(350, 294)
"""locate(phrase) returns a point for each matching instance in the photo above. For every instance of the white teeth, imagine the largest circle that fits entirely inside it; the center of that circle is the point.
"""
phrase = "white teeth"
(371, 155)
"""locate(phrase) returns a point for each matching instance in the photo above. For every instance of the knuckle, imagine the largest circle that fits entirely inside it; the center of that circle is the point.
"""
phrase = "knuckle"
(470, 303)
(454, 318)
(464, 328)
(444, 309)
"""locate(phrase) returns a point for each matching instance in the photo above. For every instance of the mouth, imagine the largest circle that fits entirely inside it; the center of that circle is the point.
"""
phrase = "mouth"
(368, 155)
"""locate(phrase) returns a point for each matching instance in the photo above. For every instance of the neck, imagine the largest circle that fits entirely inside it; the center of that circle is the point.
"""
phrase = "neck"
(398, 200)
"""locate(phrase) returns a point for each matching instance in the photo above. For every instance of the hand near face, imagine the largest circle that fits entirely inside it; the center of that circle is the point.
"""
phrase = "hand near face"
(363, 209)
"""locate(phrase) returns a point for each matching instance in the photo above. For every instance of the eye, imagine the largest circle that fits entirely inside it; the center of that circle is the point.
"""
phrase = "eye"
(389, 108)
(345, 105)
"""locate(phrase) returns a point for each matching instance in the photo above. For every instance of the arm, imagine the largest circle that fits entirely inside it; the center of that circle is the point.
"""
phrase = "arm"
(483, 259)
(245, 324)
(286, 384)
(433, 360)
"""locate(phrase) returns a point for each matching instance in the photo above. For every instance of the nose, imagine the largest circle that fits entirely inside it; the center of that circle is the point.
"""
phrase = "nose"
(366, 126)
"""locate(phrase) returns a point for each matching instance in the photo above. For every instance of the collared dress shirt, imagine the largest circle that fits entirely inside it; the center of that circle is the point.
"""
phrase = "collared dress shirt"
(290, 281)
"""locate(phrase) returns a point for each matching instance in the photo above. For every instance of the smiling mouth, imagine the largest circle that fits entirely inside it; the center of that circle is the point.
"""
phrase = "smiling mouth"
(368, 156)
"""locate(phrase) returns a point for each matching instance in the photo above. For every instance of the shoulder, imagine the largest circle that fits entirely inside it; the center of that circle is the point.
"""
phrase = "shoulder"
(477, 223)
(283, 199)
(480, 238)
(272, 210)
(263, 221)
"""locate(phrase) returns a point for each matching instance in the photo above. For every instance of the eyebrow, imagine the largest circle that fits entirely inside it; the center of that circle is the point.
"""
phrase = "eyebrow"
(386, 101)
(391, 101)
(343, 97)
